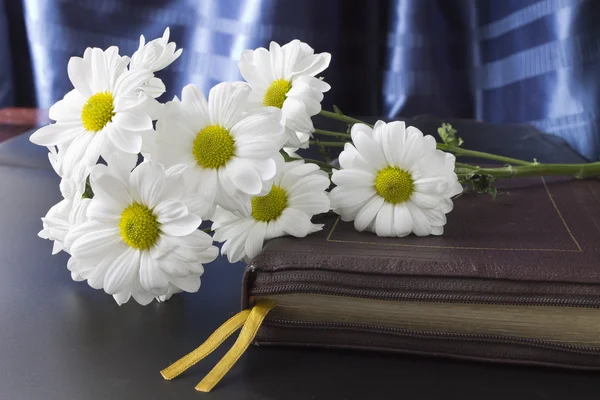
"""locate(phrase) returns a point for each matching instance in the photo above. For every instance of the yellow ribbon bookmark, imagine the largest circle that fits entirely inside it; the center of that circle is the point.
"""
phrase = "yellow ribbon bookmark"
(250, 320)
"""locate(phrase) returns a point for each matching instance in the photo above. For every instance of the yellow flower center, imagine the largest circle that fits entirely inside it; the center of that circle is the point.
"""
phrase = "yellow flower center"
(98, 111)
(276, 93)
(213, 147)
(394, 185)
(139, 227)
(269, 207)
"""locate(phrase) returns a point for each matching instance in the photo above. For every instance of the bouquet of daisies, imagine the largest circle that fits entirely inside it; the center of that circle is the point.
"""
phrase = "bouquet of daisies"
(139, 177)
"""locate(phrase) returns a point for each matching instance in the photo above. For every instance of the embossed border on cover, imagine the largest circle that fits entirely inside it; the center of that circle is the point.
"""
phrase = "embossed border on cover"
(550, 197)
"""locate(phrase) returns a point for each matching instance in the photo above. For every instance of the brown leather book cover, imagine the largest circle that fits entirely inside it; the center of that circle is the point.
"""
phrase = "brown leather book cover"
(535, 245)
(515, 279)
(540, 234)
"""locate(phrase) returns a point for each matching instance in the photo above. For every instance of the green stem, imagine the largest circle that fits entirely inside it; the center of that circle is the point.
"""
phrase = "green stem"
(321, 164)
(579, 171)
(341, 117)
(467, 166)
(515, 167)
(333, 134)
(327, 144)
(459, 151)
(207, 230)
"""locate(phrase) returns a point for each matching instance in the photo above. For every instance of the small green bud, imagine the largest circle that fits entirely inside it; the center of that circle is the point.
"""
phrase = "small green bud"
(448, 135)
(337, 110)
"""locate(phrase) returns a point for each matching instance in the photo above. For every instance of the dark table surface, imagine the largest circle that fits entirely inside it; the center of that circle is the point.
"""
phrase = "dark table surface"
(60, 339)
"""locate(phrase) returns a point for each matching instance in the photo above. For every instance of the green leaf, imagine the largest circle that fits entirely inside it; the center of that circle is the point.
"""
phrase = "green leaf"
(481, 183)
(448, 135)
(88, 193)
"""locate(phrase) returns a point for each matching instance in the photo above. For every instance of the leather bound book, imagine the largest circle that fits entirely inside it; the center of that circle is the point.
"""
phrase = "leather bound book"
(515, 279)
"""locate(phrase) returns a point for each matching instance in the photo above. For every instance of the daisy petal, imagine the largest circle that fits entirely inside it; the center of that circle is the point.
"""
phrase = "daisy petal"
(403, 224)
(310, 203)
(131, 80)
(437, 230)
(170, 210)
(148, 179)
(174, 187)
(190, 284)
(140, 295)
(351, 158)
(77, 71)
(181, 226)
(234, 229)
(68, 109)
(126, 102)
(95, 243)
(369, 149)
(226, 102)
(251, 71)
(234, 247)
(266, 168)
(353, 178)
(208, 255)
(100, 81)
(295, 222)
(433, 185)
(122, 297)
(124, 140)
(175, 219)
(55, 134)
(194, 101)
(424, 200)
(246, 179)
(103, 211)
(392, 140)
(277, 60)
(133, 121)
(152, 277)
(342, 197)
(314, 64)
(421, 225)
(297, 117)
(255, 240)
(367, 214)
(112, 190)
(308, 184)
(176, 264)
(384, 222)
(95, 275)
(122, 271)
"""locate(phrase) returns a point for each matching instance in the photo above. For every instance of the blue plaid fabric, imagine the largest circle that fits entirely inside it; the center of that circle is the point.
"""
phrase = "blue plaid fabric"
(523, 61)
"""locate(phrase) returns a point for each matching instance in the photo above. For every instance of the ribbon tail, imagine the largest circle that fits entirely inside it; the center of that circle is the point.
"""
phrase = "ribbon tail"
(214, 341)
(247, 334)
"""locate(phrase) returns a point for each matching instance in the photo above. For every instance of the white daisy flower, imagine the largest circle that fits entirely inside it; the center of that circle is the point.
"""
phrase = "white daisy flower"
(65, 215)
(71, 210)
(155, 56)
(284, 77)
(298, 193)
(393, 181)
(141, 237)
(229, 153)
(103, 114)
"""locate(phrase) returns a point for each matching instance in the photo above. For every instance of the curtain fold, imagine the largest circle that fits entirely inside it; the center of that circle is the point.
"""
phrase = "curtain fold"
(525, 61)
(6, 78)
